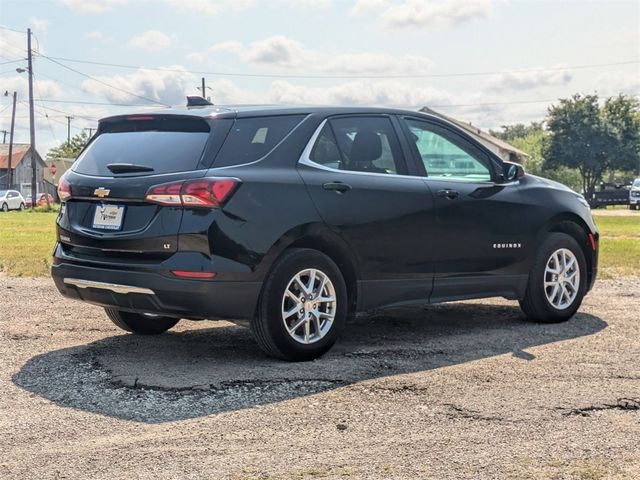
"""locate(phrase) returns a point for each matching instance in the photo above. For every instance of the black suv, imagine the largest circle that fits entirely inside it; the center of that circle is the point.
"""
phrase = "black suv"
(294, 219)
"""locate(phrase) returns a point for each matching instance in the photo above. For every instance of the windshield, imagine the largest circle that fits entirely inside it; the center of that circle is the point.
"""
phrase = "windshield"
(636, 182)
(3, 193)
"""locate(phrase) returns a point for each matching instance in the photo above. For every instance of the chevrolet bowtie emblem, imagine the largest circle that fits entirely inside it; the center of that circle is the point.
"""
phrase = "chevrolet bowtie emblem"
(101, 192)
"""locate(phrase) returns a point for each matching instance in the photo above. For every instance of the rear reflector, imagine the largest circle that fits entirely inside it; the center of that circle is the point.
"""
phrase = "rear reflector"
(203, 192)
(187, 274)
(592, 239)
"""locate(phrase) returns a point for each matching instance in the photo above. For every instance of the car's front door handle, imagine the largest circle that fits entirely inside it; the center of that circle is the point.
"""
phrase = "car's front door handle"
(448, 194)
(338, 187)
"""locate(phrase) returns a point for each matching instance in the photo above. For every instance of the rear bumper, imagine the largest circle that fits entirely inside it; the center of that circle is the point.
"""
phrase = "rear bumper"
(152, 292)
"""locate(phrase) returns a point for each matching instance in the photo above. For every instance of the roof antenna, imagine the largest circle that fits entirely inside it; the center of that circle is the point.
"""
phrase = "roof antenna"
(197, 101)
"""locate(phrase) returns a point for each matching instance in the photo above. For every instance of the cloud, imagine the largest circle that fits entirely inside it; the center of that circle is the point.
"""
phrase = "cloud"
(98, 36)
(284, 52)
(151, 40)
(364, 6)
(205, 7)
(92, 6)
(39, 25)
(615, 83)
(322, 4)
(529, 80)
(18, 83)
(195, 57)
(168, 87)
(425, 14)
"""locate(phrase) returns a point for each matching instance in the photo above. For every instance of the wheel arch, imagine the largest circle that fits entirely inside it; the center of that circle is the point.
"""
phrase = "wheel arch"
(574, 226)
(325, 241)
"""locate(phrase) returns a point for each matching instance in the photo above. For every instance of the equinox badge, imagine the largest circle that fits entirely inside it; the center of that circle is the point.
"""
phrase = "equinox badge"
(101, 192)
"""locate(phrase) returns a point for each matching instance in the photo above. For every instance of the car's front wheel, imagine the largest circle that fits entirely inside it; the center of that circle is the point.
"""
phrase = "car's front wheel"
(302, 308)
(21, 206)
(557, 282)
(5, 207)
(138, 323)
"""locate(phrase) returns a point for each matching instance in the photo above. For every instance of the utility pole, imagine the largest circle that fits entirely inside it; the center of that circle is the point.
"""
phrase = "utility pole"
(203, 89)
(69, 118)
(4, 135)
(32, 131)
(32, 125)
(90, 131)
(13, 126)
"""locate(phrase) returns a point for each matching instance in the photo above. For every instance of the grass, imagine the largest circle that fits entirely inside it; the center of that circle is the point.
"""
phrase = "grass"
(619, 246)
(26, 242)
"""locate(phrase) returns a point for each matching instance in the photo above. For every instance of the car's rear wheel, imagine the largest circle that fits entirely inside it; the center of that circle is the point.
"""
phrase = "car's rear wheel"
(302, 308)
(5, 207)
(21, 206)
(139, 323)
(557, 282)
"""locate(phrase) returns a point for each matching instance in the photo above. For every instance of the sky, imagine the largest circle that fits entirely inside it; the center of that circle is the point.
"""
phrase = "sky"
(488, 62)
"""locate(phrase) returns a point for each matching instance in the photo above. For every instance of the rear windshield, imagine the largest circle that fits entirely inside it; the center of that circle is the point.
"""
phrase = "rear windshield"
(166, 145)
(252, 138)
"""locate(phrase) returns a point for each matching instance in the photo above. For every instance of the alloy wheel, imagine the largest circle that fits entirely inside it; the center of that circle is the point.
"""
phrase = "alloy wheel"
(562, 278)
(309, 306)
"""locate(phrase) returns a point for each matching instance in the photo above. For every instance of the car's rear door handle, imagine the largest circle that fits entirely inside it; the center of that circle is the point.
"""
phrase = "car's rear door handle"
(448, 194)
(338, 187)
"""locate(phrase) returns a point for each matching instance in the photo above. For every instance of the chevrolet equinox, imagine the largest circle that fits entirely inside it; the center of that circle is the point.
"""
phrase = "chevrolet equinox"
(293, 219)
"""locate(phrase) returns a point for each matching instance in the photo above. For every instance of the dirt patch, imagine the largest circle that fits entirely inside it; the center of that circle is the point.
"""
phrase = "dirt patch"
(462, 390)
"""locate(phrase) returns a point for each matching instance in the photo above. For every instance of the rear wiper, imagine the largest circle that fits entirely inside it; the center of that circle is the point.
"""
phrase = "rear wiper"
(128, 167)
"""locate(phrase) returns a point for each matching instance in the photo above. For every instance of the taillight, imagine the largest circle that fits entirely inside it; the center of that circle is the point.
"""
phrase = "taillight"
(202, 192)
(64, 190)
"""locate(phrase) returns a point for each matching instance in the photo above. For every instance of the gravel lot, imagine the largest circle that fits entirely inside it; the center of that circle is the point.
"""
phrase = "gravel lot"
(463, 390)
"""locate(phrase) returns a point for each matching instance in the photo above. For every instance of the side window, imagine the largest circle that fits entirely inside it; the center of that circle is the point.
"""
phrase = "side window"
(252, 138)
(325, 152)
(359, 144)
(443, 159)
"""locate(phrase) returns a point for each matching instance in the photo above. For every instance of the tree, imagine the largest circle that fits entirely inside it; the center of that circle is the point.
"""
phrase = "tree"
(533, 145)
(591, 138)
(519, 130)
(622, 117)
(70, 149)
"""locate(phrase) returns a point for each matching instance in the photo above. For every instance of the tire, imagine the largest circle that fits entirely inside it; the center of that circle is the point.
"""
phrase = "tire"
(271, 327)
(21, 207)
(141, 324)
(536, 305)
(5, 207)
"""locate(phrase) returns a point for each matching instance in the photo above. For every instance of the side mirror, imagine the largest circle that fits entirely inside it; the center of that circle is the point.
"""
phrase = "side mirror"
(512, 172)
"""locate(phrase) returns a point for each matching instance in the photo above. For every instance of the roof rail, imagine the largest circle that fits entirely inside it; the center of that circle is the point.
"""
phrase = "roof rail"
(196, 101)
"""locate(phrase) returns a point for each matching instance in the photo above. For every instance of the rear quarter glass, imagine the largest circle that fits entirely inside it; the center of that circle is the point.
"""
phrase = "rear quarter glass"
(250, 139)
(168, 145)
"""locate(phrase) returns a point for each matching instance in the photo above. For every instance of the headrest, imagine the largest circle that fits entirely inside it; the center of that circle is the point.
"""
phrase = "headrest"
(366, 147)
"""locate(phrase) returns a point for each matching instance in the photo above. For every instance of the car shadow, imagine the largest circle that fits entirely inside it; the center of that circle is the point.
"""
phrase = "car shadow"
(204, 371)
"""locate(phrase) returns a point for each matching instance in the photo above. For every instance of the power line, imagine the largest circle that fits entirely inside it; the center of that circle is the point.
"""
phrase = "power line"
(12, 29)
(84, 117)
(283, 75)
(12, 61)
(53, 134)
(102, 82)
(79, 102)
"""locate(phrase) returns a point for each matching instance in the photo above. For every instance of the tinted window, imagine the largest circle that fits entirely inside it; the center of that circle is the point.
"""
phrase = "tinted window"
(444, 159)
(166, 145)
(359, 144)
(252, 138)
(325, 151)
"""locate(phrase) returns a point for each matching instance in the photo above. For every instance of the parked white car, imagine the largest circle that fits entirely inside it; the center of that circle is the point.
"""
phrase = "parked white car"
(634, 195)
(11, 200)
